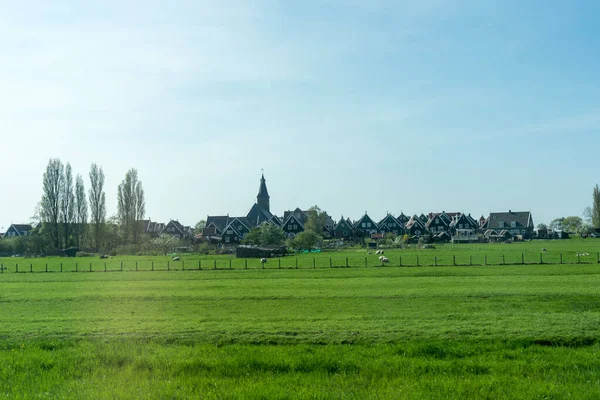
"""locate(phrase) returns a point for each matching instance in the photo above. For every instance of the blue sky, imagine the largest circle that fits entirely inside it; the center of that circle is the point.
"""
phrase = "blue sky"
(352, 105)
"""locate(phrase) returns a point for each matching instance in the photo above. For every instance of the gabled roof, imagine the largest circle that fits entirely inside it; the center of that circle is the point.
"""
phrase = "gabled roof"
(262, 190)
(423, 218)
(442, 217)
(463, 219)
(414, 220)
(20, 228)
(258, 215)
(219, 221)
(293, 218)
(403, 219)
(365, 218)
(389, 219)
(522, 219)
(232, 227)
(343, 223)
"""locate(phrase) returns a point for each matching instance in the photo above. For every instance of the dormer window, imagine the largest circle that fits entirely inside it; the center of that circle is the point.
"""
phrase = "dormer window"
(513, 224)
(501, 224)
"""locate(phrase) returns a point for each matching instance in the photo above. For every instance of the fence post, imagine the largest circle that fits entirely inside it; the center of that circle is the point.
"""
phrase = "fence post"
(215, 263)
(46, 267)
(314, 263)
(541, 259)
(60, 267)
(598, 257)
(454, 260)
(246, 264)
(183, 265)
(417, 261)
(1, 268)
(168, 265)
(296, 262)
(485, 260)
(104, 266)
(152, 265)
(560, 258)
(522, 258)
(503, 261)
(121, 265)
(278, 263)
(367, 263)
(435, 261)
(30, 267)
(136, 265)
(232, 268)
(76, 267)
(329, 262)
(16, 267)
(90, 267)
(400, 260)
(346, 262)
(578, 258)
(199, 265)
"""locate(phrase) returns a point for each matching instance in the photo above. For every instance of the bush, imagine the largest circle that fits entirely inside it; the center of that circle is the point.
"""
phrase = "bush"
(84, 254)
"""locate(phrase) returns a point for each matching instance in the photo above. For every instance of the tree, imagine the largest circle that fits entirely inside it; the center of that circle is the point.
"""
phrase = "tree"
(81, 210)
(572, 224)
(557, 224)
(67, 204)
(199, 226)
(316, 220)
(307, 240)
(264, 235)
(97, 203)
(542, 227)
(50, 206)
(164, 243)
(596, 208)
(131, 205)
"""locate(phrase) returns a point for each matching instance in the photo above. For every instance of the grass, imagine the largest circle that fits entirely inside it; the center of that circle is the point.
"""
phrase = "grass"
(520, 331)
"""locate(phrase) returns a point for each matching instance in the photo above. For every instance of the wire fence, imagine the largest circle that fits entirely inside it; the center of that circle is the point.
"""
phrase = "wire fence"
(425, 260)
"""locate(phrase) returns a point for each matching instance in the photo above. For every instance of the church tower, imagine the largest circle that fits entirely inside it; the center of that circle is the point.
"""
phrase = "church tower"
(263, 195)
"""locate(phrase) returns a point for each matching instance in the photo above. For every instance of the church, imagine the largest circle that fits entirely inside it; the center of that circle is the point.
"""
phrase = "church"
(231, 230)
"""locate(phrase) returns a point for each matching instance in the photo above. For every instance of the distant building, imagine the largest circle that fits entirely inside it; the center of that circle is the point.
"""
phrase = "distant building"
(18, 230)
(518, 223)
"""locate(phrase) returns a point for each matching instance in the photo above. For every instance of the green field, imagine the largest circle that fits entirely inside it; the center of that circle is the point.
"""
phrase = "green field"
(496, 331)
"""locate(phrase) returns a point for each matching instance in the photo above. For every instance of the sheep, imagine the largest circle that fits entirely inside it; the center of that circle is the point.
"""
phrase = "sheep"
(263, 260)
(369, 253)
(544, 250)
(381, 258)
(385, 260)
(176, 258)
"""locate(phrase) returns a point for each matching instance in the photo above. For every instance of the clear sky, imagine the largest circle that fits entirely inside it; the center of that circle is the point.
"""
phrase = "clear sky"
(351, 105)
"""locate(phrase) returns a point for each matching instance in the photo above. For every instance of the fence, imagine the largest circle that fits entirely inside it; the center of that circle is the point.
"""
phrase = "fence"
(425, 260)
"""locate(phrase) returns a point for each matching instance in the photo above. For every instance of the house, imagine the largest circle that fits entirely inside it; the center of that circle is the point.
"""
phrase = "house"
(518, 223)
(302, 216)
(390, 224)
(403, 219)
(415, 227)
(18, 230)
(293, 225)
(463, 222)
(343, 229)
(423, 218)
(175, 229)
(438, 223)
(365, 226)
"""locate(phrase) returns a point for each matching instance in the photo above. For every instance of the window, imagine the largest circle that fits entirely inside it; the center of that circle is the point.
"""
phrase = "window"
(364, 225)
(290, 227)
(437, 220)
(417, 232)
(345, 233)
(226, 239)
(501, 224)
(513, 224)
(295, 226)
(368, 224)
(460, 226)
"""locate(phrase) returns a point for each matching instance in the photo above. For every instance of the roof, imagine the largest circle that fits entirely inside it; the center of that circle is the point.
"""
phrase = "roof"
(21, 227)
(415, 220)
(523, 219)
(367, 219)
(389, 218)
(262, 190)
(257, 215)
(220, 221)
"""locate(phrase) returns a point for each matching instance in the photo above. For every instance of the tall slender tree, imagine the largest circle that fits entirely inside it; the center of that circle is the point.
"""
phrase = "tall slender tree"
(81, 211)
(131, 205)
(67, 205)
(50, 206)
(97, 204)
(596, 208)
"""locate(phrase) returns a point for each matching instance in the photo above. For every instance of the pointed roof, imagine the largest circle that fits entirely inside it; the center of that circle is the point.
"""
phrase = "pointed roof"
(262, 190)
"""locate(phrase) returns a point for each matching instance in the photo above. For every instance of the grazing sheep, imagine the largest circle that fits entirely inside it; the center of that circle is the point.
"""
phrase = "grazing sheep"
(263, 260)
(176, 258)
(381, 258)
(103, 257)
(544, 250)
(385, 260)
(369, 253)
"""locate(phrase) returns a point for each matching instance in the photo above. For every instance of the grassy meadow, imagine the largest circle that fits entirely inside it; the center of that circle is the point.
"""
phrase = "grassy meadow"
(495, 331)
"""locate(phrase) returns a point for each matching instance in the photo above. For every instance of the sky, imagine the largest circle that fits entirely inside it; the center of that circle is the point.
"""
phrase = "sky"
(393, 106)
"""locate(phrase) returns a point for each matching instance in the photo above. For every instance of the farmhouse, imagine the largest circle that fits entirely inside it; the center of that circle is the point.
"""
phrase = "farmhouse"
(17, 230)
(518, 223)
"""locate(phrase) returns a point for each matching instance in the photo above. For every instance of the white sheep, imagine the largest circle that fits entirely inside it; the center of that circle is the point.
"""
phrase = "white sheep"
(263, 260)
(381, 258)
(385, 260)
(544, 250)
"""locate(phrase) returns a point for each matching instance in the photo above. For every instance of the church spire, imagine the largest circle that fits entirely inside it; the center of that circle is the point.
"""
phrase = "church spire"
(263, 194)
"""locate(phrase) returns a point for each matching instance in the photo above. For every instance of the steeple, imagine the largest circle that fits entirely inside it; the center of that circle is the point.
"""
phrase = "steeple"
(263, 194)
